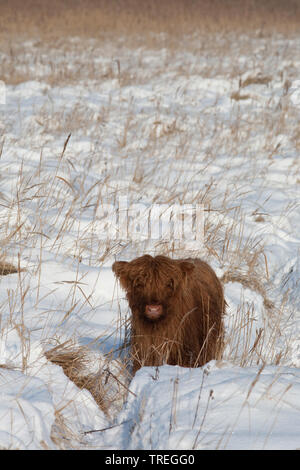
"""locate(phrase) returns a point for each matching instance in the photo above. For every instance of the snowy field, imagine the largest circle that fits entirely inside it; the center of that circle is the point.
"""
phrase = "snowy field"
(212, 121)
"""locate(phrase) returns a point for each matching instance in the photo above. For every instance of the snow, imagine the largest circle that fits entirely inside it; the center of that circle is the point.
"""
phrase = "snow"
(158, 127)
(26, 410)
(217, 404)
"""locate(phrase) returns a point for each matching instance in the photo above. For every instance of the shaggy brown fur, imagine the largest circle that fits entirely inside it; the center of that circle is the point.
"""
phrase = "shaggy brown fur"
(177, 308)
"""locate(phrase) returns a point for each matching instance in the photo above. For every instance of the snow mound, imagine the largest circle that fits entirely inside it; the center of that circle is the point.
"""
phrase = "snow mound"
(218, 406)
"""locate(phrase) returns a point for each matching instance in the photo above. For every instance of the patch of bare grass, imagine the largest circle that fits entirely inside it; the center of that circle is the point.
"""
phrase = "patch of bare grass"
(95, 18)
(237, 96)
(255, 80)
(7, 268)
(107, 379)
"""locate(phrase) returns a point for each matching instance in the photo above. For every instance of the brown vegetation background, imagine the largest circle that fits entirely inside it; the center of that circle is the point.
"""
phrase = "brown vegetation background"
(97, 17)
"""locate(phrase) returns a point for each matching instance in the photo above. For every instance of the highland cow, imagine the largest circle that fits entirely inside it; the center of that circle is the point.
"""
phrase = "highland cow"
(177, 308)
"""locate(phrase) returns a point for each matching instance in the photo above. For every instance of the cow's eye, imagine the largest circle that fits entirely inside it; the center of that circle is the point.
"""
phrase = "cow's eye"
(139, 284)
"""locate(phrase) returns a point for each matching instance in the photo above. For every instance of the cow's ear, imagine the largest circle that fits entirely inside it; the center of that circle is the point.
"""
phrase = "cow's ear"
(186, 267)
(120, 269)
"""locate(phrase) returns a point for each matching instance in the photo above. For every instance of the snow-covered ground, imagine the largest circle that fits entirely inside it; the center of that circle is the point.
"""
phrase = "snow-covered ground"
(213, 122)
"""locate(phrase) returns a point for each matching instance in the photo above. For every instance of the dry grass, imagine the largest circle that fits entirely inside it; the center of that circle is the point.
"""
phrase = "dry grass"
(95, 18)
(255, 80)
(108, 384)
(7, 268)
